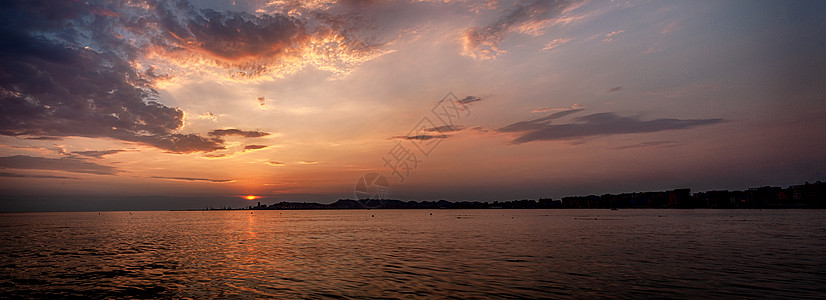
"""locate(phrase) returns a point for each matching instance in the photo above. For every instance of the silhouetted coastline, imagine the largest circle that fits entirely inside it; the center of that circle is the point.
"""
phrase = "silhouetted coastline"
(808, 196)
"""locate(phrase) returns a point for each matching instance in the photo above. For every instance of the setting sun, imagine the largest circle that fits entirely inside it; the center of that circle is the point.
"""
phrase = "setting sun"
(250, 197)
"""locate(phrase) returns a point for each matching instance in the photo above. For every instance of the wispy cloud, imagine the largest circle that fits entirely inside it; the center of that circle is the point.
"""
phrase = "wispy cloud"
(662, 144)
(668, 28)
(483, 42)
(469, 99)
(238, 132)
(194, 179)
(445, 128)
(537, 124)
(254, 147)
(275, 163)
(614, 89)
(607, 123)
(44, 138)
(553, 44)
(208, 116)
(421, 137)
(5, 174)
(67, 164)
(550, 108)
(609, 37)
(97, 154)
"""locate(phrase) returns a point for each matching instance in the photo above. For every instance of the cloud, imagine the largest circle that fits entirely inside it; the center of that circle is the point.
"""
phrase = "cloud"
(308, 162)
(182, 143)
(208, 116)
(670, 27)
(480, 129)
(254, 147)
(44, 138)
(67, 164)
(609, 37)
(252, 45)
(194, 179)
(275, 163)
(555, 43)
(549, 108)
(445, 128)
(537, 124)
(5, 174)
(61, 86)
(421, 137)
(469, 99)
(71, 68)
(613, 33)
(647, 145)
(229, 35)
(97, 154)
(483, 42)
(614, 89)
(593, 125)
(238, 132)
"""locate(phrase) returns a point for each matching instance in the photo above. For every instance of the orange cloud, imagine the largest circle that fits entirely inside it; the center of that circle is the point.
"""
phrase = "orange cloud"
(245, 46)
(482, 43)
(555, 43)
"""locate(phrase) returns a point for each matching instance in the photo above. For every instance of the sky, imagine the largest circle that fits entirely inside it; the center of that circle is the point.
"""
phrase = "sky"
(130, 105)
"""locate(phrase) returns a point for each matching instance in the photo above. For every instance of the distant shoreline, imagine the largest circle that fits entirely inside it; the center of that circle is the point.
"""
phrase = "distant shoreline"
(805, 196)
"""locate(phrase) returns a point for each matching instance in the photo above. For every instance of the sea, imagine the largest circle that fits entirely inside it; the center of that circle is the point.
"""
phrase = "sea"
(414, 254)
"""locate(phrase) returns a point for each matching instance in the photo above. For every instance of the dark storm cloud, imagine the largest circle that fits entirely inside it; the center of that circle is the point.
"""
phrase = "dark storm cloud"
(5, 174)
(97, 154)
(68, 164)
(594, 125)
(238, 132)
(483, 42)
(194, 179)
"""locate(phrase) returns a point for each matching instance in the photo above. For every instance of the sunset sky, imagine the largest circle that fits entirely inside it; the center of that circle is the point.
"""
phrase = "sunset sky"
(187, 104)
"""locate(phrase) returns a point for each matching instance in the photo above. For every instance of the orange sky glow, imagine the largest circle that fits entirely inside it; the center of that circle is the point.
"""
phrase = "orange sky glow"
(188, 104)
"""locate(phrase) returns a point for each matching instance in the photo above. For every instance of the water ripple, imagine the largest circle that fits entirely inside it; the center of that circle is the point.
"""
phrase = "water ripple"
(504, 254)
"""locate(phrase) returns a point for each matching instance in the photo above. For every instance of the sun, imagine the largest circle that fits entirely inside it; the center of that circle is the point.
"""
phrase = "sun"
(250, 197)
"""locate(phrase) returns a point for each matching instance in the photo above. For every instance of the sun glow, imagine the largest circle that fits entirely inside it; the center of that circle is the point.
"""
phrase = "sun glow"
(250, 197)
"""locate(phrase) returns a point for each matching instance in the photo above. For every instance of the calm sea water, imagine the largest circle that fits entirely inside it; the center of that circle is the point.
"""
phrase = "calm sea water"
(415, 254)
